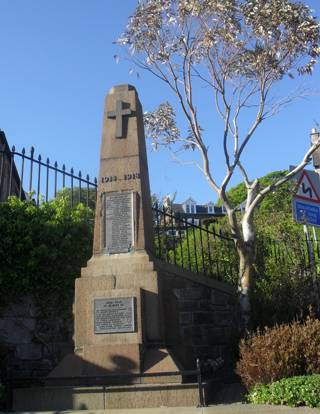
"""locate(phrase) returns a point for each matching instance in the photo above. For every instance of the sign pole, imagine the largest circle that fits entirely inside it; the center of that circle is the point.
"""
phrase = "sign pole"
(315, 238)
(315, 135)
(309, 246)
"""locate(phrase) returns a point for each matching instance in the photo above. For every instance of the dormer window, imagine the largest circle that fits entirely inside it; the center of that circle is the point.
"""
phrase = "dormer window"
(189, 206)
(210, 207)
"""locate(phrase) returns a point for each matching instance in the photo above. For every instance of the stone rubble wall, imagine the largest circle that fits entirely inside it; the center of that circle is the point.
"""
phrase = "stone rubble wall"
(202, 315)
(31, 344)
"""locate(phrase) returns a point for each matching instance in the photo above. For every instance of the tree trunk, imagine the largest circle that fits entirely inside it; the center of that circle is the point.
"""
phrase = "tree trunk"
(244, 239)
(246, 252)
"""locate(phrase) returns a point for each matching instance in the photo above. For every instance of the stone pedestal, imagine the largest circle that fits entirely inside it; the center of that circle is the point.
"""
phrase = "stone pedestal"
(131, 278)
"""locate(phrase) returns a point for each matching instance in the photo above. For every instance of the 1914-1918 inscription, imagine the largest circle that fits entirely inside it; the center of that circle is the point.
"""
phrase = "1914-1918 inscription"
(114, 315)
(119, 237)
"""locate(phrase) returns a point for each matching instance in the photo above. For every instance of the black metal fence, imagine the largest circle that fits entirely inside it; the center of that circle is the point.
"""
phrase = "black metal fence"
(112, 380)
(199, 248)
(39, 179)
(202, 248)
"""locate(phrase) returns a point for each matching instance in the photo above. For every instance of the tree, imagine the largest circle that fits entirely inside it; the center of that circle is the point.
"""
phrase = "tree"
(240, 49)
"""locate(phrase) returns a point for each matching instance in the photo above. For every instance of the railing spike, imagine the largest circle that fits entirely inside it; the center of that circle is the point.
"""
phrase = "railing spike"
(72, 171)
(95, 180)
(80, 175)
(32, 151)
(48, 161)
(63, 167)
(23, 151)
(13, 148)
(87, 177)
(55, 164)
(39, 158)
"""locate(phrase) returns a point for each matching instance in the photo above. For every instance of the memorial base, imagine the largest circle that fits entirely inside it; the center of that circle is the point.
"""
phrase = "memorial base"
(101, 366)
(58, 398)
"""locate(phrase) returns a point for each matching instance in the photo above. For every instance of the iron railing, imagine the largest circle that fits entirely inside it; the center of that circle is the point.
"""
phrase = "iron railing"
(111, 381)
(38, 178)
(200, 248)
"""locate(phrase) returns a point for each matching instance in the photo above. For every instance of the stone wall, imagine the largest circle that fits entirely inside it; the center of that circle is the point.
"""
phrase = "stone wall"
(199, 321)
(30, 343)
(200, 315)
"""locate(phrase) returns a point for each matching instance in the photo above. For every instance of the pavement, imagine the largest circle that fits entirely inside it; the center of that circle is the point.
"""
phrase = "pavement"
(237, 408)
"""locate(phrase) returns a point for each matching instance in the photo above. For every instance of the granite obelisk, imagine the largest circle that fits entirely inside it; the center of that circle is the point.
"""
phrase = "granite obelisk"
(117, 304)
(123, 221)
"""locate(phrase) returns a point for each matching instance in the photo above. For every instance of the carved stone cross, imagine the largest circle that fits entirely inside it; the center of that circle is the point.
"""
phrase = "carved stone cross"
(117, 115)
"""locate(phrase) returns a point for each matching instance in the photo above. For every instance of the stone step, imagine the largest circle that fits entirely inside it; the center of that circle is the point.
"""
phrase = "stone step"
(116, 264)
(115, 269)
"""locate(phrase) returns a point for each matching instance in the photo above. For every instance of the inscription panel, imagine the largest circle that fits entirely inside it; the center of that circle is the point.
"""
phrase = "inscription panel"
(118, 236)
(114, 315)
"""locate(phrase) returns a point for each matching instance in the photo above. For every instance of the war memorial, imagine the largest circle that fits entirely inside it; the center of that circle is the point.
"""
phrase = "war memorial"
(139, 323)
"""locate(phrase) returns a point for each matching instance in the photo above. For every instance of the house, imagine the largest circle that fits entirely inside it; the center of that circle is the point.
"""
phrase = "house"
(197, 213)
(10, 184)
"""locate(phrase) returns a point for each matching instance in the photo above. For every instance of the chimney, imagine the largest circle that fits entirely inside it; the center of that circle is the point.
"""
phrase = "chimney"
(315, 136)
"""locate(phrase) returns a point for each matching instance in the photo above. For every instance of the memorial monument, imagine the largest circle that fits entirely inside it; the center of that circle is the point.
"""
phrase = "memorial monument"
(117, 304)
(130, 308)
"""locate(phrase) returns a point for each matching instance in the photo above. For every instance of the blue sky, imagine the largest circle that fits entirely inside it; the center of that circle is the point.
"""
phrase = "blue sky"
(56, 67)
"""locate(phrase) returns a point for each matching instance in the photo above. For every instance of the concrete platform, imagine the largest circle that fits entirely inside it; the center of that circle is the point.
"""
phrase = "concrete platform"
(59, 398)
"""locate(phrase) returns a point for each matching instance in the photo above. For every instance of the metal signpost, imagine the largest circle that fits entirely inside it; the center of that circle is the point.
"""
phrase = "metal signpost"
(306, 210)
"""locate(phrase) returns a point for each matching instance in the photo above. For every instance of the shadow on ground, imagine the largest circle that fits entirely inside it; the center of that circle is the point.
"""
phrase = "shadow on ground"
(228, 394)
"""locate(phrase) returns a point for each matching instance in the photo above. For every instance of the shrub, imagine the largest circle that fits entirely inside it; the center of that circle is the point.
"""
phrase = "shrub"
(42, 249)
(280, 352)
(294, 391)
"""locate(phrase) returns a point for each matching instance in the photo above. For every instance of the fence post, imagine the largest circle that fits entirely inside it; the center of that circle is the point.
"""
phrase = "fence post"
(2, 151)
(200, 388)
(313, 268)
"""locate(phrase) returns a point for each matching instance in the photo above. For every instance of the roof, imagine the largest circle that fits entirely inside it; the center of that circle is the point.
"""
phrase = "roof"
(201, 209)
(189, 200)
(177, 208)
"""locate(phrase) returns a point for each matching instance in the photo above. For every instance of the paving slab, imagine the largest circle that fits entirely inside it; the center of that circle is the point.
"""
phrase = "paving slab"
(237, 408)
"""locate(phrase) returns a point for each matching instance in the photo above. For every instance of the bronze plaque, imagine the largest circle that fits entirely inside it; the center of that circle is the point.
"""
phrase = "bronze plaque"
(119, 236)
(114, 315)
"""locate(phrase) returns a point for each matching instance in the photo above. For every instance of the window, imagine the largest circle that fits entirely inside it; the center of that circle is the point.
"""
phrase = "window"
(192, 209)
(188, 208)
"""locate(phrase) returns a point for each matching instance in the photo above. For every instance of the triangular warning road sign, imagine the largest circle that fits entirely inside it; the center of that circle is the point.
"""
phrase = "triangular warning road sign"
(306, 190)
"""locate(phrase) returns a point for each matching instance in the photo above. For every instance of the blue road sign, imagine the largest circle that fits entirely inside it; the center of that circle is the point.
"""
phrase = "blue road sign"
(306, 212)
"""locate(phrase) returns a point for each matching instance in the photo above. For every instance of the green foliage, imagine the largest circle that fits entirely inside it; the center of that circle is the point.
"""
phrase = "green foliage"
(280, 352)
(282, 286)
(294, 391)
(87, 196)
(42, 249)
(280, 200)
